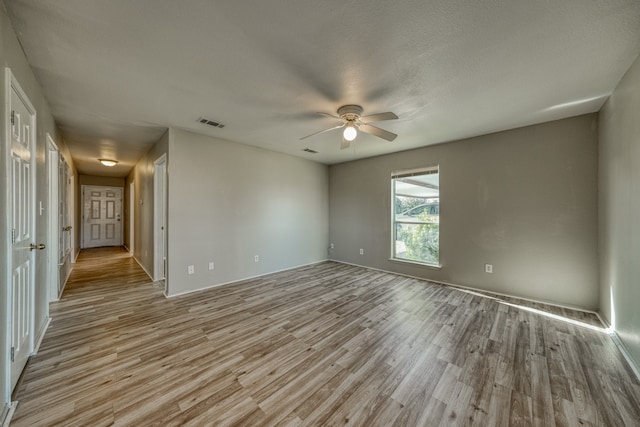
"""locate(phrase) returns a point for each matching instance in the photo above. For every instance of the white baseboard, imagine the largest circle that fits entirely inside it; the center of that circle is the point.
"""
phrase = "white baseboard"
(65, 283)
(40, 336)
(623, 349)
(66, 279)
(470, 288)
(8, 413)
(142, 267)
(243, 279)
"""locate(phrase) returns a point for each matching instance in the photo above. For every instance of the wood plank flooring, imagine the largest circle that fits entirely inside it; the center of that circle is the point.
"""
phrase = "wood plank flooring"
(322, 345)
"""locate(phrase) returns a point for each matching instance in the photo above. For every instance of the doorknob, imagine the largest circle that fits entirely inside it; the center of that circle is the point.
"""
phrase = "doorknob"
(33, 246)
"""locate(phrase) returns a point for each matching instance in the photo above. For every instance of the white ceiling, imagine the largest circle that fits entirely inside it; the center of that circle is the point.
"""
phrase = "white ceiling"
(117, 73)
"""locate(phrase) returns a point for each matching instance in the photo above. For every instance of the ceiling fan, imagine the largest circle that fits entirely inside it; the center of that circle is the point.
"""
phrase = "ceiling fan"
(353, 121)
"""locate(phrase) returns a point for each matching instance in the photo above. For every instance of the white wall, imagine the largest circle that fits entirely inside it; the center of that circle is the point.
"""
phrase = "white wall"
(142, 176)
(619, 210)
(229, 202)
(11, 56)
(524, 200)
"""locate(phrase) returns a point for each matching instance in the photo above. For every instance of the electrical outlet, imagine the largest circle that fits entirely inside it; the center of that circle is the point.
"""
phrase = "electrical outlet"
(488, 268)
(331, 246)
(257, 258)
(361, 251)
(191, 269)
(211, 265)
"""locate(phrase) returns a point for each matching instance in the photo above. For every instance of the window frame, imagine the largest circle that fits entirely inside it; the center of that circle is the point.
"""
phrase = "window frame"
(405, 174)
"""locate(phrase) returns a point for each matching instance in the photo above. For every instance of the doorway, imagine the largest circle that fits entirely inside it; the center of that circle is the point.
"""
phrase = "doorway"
(101, 216)
(59, 236)
(160, 216)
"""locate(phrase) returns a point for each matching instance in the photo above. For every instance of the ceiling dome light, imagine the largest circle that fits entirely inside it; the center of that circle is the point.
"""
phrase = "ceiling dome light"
(108, 162)
(350, 133)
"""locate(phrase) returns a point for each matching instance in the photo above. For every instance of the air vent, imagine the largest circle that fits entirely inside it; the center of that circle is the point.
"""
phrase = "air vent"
(309, 150)
(210, 123)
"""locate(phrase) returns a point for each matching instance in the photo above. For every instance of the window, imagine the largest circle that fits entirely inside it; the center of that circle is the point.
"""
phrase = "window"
(416, 216)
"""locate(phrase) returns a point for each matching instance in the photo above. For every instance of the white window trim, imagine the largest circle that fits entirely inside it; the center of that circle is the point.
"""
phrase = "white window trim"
(405, 174)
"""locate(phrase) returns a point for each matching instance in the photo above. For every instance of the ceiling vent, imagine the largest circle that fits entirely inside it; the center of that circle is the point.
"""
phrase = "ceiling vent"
(210, 123)
(309, 150)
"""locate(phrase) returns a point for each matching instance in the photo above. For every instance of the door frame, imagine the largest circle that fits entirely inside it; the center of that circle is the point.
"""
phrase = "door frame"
(159, 216)
(71, 204)
(53, 233)
(11, 82)
(132, 217)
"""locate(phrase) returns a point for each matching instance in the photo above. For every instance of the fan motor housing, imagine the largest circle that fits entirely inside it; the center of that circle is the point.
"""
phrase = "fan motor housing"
(350, 113)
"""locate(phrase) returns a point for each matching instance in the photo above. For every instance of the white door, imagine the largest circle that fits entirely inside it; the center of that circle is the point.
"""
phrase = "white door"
(160, 218)
(102, 215)
(54, 232)
(22, 233)
(132, 216)
(71, 216)
(64, 225)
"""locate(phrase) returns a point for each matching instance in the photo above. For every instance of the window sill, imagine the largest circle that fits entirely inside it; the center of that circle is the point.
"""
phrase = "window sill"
(417, 263)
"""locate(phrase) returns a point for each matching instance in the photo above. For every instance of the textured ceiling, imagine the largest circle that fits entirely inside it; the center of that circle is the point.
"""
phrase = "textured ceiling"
(117, 73)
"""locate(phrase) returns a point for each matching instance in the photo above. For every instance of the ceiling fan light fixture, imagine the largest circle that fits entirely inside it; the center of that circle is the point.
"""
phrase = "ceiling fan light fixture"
(353, 122)
(108, 162)
(350, 133)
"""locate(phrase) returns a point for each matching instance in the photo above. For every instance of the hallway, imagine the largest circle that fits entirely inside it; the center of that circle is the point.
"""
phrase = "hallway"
(93, 322)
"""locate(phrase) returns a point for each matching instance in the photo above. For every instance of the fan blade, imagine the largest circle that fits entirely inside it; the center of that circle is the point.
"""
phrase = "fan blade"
(376, 131)
(344, 144)
(379, 117)
(323, 131)
(329, 115)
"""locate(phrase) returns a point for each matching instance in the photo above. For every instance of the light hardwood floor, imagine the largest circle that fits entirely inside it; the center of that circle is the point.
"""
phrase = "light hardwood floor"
(328, 344)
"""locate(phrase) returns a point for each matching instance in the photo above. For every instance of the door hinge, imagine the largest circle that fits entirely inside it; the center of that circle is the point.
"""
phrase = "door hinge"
(13, 117)
(13, 354)
(13, 235)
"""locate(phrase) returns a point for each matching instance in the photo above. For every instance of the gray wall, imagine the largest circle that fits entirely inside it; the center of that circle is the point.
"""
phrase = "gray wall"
(11, 56)
(142, 177)
(524, 200)
(619, 214)
(229, 202)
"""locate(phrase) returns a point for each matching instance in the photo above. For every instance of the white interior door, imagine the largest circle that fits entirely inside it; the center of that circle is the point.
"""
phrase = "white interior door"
(160, 218)
(64, 225)
(54, 224)
(132, 216)
(102, 216)
(71, 216)
(59, 235)
(22, 219)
